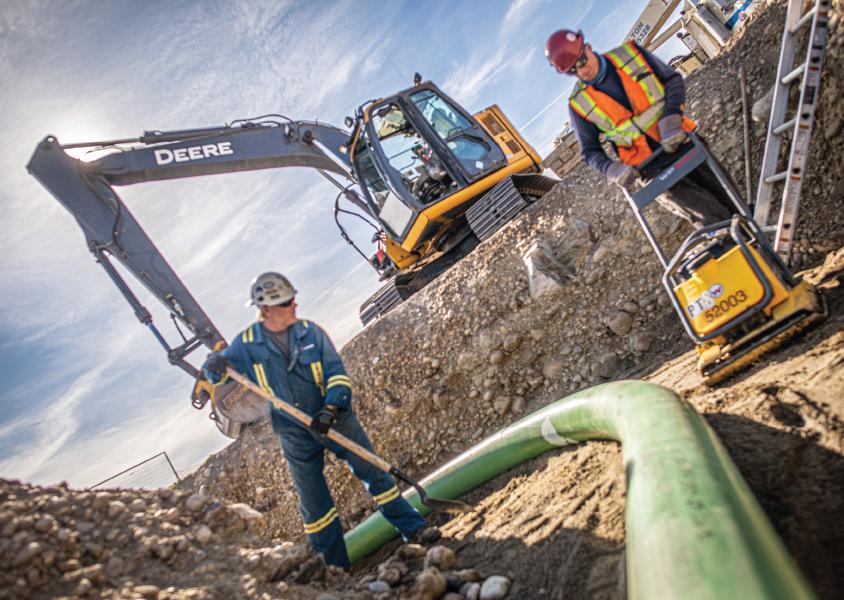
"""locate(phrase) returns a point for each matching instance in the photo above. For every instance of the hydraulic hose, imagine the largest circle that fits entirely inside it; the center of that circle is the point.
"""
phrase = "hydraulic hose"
(693, 527)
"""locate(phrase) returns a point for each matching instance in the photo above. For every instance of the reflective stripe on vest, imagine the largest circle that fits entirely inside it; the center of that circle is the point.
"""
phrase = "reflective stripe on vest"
(634, 72)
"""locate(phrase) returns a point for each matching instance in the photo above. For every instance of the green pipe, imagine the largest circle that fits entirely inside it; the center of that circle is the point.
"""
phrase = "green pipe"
(694, 529)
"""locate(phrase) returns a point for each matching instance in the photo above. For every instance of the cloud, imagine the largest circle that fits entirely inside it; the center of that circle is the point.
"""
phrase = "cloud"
(52, 429)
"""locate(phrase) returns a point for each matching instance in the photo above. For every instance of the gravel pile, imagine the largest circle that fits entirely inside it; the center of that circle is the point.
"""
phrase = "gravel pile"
(173, 545)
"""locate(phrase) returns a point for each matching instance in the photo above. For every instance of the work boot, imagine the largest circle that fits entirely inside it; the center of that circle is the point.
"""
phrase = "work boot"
(425, 536)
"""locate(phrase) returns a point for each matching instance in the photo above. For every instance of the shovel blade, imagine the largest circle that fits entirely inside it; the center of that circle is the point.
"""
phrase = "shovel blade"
(450, 506)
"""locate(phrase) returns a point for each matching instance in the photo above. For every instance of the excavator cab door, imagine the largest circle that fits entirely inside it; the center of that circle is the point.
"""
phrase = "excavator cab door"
(416, 149)
(458, 133)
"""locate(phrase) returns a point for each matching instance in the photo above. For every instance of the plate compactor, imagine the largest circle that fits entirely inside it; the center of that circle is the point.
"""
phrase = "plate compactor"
(735, 296)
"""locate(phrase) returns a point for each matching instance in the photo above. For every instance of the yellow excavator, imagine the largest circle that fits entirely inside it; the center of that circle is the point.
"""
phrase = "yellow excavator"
(439, 181)
(431, 179)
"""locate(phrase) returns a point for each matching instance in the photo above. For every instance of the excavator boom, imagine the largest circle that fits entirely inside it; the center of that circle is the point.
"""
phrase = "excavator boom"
(86, 189)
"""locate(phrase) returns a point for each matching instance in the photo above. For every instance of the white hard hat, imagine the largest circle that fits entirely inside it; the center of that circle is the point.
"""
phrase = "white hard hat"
(270, 289)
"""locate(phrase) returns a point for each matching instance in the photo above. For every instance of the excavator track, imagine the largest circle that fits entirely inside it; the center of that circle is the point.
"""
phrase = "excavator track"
(380, 303)
(507, 199)
(714, 373)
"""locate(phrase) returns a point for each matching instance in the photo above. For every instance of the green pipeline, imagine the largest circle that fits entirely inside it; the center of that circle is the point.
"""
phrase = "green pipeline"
(694, 528)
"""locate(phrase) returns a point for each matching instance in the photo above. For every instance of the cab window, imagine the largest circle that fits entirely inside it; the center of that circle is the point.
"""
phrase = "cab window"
(466, 142)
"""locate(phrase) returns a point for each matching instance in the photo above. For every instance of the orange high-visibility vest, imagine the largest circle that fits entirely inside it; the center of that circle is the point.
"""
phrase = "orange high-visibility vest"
(627, 129)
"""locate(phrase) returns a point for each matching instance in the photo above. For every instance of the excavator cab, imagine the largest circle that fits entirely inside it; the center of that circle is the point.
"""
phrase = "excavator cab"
(427, 169)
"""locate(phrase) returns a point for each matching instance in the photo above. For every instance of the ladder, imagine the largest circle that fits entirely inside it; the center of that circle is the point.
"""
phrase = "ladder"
(808, 74)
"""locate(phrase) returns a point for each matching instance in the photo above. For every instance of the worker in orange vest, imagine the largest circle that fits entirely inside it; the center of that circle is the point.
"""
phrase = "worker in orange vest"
(636, 102)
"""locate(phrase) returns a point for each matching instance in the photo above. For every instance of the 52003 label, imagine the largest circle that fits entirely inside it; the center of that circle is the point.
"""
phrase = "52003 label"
(723, 306)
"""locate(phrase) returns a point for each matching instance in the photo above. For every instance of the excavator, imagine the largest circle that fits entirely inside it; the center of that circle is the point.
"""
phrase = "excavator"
(431, 179)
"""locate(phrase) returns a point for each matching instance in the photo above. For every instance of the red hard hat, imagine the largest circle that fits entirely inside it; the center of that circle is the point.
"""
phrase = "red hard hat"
(563, 49)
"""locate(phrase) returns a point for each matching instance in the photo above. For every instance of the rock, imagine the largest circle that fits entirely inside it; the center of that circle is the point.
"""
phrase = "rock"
(496, 357)
(440, 557)
(501, 404)
(630, 307)
(147, 591)
(195, 502)
(552, 368)
(471, 591)
(115, 566)
(378, 586)
(468, 575)
(115, 509)
(137, 505)
(518, 406)
(761, 110)
(833, 128)
(44, 524)
(544, 272)
(607, 365)
(203, 534)
(429, 585)
(640, 341)
(30, 551)
(620, 323)
(411, 551)
(246, 512)
(494, 588)
(512, 342)
(392, 570)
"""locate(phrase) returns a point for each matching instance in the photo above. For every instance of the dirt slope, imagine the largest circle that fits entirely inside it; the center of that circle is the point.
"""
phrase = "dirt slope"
(474, 351)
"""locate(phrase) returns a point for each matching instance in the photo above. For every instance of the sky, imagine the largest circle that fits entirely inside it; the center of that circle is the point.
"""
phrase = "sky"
(87, 390)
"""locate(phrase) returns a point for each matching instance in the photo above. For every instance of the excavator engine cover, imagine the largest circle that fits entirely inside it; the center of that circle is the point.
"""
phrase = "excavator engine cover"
(720, 288)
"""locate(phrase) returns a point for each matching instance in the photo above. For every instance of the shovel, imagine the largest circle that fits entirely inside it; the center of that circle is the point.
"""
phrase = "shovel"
(435, 504)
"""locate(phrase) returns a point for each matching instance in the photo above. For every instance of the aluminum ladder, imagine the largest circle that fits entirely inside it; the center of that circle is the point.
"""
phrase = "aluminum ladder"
(808, 74)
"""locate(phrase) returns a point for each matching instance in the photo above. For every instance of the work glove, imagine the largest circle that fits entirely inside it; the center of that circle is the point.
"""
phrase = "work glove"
(217, 364)
(621, 174)
(324, 419)
(671, 133)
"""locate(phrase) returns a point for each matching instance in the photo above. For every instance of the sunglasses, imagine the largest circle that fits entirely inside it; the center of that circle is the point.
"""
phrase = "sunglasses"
(286, 304)
(580, 62)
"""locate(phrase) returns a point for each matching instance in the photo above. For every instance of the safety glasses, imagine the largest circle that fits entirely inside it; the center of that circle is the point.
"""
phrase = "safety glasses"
(286, 304)
(580, 62)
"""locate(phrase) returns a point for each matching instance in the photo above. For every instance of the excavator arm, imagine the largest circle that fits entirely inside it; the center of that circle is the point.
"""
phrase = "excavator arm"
(86, 189)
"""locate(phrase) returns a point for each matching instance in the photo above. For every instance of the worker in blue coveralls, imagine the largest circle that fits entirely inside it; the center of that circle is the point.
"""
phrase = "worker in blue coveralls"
(296, 361)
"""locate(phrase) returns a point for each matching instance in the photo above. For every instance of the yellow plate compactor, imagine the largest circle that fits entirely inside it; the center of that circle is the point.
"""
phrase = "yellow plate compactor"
(734, 295)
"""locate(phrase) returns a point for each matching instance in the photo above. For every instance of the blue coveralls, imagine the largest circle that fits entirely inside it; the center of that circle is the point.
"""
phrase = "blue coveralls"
(313, 377)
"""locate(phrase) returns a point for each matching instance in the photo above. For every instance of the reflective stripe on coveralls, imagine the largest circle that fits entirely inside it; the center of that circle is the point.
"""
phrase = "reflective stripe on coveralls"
(316, 371)
(336, 380)
(322, 522)
(261, 376)
(627, 129)
(387, 496)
